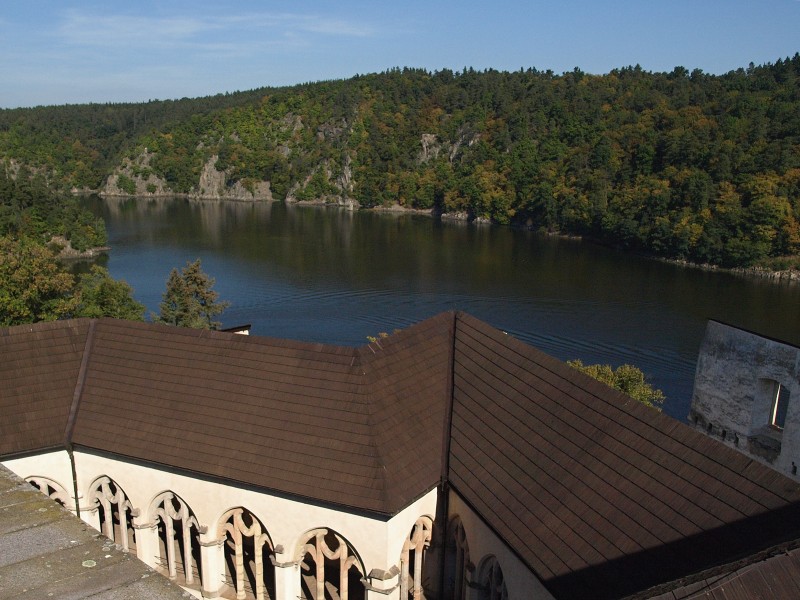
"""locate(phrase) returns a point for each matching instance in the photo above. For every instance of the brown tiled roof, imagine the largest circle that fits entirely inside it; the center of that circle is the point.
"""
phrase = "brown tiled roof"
(324, 422)
(39, 369)
(407, 384)
(593, 490)
(775, 577)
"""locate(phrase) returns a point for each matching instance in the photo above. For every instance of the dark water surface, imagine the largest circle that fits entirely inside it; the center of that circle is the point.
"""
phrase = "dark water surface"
(333, 276)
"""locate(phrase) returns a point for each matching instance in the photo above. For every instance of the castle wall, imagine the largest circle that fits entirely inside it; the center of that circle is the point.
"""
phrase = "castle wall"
(737, 378)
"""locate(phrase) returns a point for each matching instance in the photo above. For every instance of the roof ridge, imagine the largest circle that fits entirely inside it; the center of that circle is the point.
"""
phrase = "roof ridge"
(368, 356)
(78, 392)
(366, 386)
(450, 391)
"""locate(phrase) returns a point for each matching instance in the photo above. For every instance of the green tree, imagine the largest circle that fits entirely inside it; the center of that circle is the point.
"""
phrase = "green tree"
(99, 295)
(625, 378)
(189, 300)
(34, 287)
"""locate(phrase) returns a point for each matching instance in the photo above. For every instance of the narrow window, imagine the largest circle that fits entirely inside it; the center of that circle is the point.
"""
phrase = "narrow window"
(411, 560)
(178, 543)
(116, 512)
(780, 401)
(329, 568)
(456, 561)
(249, 571)
(491, 584)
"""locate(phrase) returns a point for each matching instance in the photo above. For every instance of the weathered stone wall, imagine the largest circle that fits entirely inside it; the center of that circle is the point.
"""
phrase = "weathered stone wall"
(734, 393)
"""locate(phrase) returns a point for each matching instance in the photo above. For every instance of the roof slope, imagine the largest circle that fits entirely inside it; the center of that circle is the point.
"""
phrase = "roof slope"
(278, 414)
(38, 373)
(592, 489)
(775, 577)
(407, 383)
(298, 418)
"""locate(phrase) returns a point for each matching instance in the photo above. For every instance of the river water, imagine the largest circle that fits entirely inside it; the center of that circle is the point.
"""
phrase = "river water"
(333, 276)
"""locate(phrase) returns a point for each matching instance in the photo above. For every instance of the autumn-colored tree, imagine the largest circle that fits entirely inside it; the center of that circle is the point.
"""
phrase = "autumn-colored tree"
(34, 286)
(627, 379)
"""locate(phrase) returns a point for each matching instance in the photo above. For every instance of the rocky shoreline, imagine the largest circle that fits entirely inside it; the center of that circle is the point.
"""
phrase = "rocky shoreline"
(65, 251)
(785, 276)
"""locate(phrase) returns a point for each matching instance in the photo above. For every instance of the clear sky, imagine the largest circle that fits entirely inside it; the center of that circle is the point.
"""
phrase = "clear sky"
(58, 52)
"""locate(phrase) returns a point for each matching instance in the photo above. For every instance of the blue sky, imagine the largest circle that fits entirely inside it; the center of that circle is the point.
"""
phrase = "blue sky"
(67, 52)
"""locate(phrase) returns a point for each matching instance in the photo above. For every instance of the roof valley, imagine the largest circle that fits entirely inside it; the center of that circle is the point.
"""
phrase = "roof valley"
(79, 384)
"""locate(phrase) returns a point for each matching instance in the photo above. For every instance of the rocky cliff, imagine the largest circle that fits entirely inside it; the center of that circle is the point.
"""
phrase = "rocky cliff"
(136, 177)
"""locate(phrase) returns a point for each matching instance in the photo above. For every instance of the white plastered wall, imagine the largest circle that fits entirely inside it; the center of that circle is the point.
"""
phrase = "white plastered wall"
(399, 527)
(483, 542)
(53, 465)
(377, 542)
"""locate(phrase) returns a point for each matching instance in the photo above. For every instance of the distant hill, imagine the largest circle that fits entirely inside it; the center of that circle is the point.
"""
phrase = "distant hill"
(683, 165)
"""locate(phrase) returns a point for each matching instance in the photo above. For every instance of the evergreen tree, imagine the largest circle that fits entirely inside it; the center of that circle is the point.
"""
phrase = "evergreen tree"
(189, 301)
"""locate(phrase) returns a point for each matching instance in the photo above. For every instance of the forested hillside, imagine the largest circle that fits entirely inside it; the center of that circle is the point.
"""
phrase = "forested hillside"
(682, 164)
(30, 209)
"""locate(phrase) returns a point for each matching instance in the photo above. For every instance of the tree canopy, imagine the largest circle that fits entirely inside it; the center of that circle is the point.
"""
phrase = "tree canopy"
(100, 295)
(31, 209)
(34, 287)
(627, 379)
(189, 301)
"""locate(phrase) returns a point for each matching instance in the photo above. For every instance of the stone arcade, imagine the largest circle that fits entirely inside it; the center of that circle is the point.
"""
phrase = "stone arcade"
(446, 461)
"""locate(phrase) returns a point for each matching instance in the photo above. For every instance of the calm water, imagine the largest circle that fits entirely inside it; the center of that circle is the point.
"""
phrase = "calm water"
(333, 276)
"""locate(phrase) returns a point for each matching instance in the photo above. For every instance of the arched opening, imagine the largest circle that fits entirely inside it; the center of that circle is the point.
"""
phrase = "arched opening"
(52, 489)
(491, 585)
(249, 572)
(178, 540)
(412, 560)
(330, 568)
(456, 560)
(116, 512)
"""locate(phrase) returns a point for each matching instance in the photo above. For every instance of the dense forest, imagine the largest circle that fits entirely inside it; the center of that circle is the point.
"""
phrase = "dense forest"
(683, 165)
(30, 209)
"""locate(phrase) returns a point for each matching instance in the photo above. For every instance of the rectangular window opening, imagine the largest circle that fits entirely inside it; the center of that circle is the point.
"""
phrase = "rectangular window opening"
(780, 401)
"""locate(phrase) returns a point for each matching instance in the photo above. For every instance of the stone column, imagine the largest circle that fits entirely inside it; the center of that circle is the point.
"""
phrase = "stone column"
(287, 576)
(146, 542)
(472, 589)
(212, 559)
(91, 515)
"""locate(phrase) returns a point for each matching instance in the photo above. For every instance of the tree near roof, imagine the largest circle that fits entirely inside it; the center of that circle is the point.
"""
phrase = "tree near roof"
(34, 287)
(627, 379)
(189, 300)
(100, 295)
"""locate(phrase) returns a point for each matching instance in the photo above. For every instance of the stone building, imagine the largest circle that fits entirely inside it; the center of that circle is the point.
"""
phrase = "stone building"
(447, 461)
(747, 395)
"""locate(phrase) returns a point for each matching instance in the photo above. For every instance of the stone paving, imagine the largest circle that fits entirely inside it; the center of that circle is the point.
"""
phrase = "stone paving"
(47, 552)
